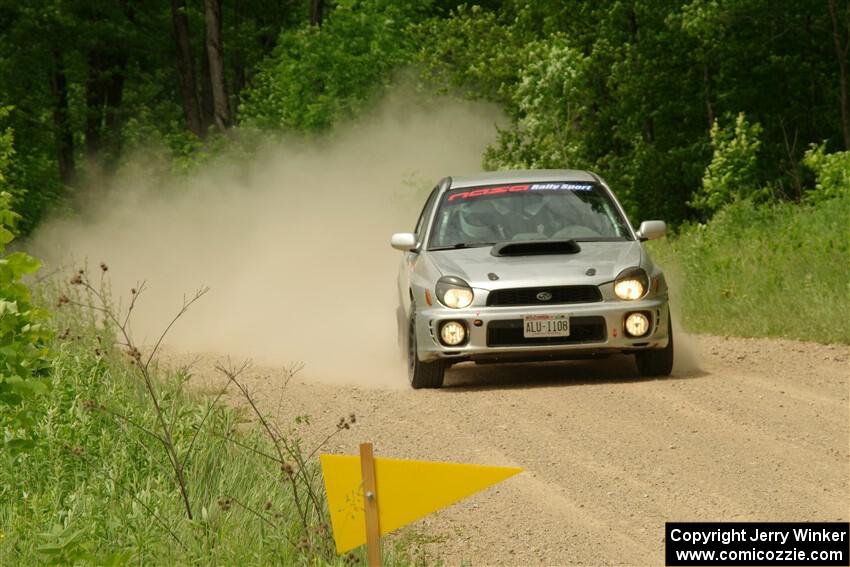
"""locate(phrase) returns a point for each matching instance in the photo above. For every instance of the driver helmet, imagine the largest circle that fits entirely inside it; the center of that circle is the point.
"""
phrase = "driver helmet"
(565, 207)
(478, 220)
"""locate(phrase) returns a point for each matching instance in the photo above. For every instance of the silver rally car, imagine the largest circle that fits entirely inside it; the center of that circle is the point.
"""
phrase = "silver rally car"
(529, 265)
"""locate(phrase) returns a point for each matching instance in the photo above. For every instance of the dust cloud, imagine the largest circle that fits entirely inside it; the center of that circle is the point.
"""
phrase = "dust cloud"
(686, 354)
(293, 240)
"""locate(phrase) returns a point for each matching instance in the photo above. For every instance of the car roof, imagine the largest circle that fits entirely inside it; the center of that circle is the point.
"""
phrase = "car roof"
(521, 175)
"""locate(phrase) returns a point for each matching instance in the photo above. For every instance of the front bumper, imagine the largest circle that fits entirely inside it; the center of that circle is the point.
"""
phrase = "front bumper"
(596, 329)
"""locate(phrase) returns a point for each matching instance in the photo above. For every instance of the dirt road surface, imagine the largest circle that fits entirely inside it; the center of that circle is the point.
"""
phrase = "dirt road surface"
(757, 430)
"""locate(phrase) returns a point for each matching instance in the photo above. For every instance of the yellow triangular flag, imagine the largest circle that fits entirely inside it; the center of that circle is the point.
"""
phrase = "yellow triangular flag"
(407, 491)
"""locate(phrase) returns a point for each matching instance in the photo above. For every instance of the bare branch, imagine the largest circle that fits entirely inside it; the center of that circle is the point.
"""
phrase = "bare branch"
(167, 438)
(132, 422)
(232, 374)
(248, 447)
(134, 293)
(253, 511)
(186, 304)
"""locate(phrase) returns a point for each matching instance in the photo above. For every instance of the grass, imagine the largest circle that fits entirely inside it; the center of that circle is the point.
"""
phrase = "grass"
(98, 487)
(777, 270)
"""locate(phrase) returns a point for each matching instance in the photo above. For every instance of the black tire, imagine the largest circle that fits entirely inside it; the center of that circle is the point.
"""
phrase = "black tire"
(657, 362)
(422, 374)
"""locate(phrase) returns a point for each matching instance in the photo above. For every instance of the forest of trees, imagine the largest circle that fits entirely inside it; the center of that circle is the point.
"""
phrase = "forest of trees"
(681, 104)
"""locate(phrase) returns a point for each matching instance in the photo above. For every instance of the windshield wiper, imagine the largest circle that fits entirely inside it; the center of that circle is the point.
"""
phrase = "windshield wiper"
(461, 245)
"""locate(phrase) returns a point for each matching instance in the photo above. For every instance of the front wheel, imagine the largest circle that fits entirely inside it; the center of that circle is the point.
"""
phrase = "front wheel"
(657, 362)
(422, 374)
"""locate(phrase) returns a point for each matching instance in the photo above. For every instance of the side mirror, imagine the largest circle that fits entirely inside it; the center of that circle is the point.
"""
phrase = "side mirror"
(652, 229)
(404, 241)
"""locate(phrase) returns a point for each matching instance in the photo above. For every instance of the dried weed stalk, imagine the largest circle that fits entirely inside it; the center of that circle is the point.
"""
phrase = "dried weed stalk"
(292, 463)
(98, 299)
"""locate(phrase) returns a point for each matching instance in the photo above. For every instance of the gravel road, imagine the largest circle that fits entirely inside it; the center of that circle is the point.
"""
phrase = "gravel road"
(757, 430)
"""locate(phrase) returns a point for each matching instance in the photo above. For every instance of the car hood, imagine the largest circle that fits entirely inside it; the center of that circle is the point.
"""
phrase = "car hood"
(476, 264)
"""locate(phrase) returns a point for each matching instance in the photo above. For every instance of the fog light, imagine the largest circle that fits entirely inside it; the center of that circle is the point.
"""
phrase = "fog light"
(637, 324)
(452, 333)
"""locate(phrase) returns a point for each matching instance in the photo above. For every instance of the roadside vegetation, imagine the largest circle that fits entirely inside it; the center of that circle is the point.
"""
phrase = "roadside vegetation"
(124, 463)
(107, 458)
(763, 267)
(777, 270)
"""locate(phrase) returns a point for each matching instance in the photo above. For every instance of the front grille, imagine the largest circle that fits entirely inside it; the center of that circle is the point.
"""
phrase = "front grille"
(560, 295)
(582, 330)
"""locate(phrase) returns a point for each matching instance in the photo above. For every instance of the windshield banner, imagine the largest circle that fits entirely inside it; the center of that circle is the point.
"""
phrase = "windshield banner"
(516, 188)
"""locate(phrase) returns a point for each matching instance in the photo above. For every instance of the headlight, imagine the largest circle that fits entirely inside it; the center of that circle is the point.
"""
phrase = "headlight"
(453, 292)
(631, 284)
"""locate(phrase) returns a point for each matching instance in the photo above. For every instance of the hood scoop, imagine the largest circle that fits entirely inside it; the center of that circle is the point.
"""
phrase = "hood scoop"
(536, 248)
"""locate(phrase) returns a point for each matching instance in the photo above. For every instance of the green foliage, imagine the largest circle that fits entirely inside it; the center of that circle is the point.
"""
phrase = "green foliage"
(550, 102)
(318, 76)
(580, 92)
(632, 89)
(94, 81)
(23, 327)
(832, 173)
(473, 52)
(775, 270)
(97, 490)
(100, 487)
(91, 493)
(733, 171)
(628, 89)
(7, 150)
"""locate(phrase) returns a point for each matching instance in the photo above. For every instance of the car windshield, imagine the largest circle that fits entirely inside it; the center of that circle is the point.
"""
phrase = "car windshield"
(481, 216)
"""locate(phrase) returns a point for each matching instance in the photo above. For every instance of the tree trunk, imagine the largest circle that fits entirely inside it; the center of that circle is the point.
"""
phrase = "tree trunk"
(207, 110)
(237, 60)
(842, 49)
(62, 126)
(316, 8)
(114, 91)
(239, 82)
(706, 87)
(95, 99)
(221, 106)
(104, 93)
(648, 123)
(185, 68)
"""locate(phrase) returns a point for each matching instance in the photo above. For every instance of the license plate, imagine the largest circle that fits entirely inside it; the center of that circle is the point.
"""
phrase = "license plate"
(536, 326)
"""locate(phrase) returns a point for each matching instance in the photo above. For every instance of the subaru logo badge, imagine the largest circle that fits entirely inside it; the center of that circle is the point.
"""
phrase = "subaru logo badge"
(544, 296)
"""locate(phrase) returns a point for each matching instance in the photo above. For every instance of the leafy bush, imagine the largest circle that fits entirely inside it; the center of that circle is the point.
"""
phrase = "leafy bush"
(472, 52)
(320, 75)
(832, 172)
(550, 102)
(23, 329)
(733, 171)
